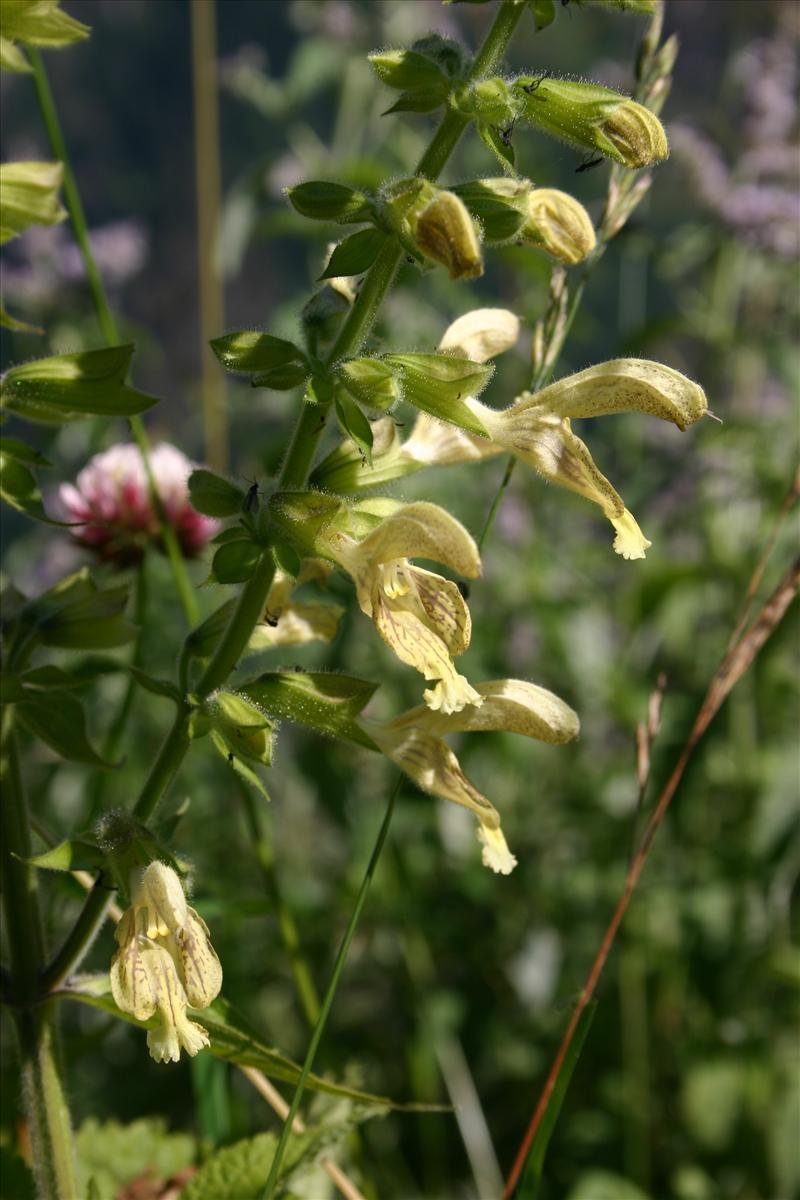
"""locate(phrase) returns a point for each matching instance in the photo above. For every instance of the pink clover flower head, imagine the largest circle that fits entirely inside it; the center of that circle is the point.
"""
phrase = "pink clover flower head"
(111, 499)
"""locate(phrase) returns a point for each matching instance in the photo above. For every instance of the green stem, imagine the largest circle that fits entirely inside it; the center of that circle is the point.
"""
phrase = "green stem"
(43, 1093)
(304, 982)
(338, 967)
(20, 888)
(207, 191)
(107, 323)
(80, 938)
(115, 733)
(454, 123)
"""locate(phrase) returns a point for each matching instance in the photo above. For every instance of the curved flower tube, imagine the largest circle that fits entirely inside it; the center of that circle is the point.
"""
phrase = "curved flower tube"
(414, 742)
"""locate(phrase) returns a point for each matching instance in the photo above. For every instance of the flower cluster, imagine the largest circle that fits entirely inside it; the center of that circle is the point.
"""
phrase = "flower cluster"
(111, 501)
(165, 963)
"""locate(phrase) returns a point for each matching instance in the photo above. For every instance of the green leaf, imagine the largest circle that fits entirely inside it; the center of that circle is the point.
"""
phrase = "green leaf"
(235, 763)
(355, 254)
(233, 1038)
(69, 386)
(282, 379)
(353, 423)
(11, 59)
(6, 320)
(249, 351)
(214, 496)
(58, 720)
(235, 562)
(439, 384)
(424, 100)
(320, 700)
(605, 1185)
(116, 1156)
(330, 202)
(499, 142)
(544, 12)
(157, 687)
(22, 452)
(244, 728)
(499, 204)
(203, 640)
(408, 70)
(238, 1172)
(73, 855)
(29, 195)
(80, 674)
(19, 490)
(40, 23)
(11, 689)
(370, 381)
(91, 620)
(528, 1187)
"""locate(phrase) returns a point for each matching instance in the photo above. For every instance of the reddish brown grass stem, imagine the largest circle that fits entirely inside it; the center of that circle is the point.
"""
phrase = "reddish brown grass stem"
(737, 660)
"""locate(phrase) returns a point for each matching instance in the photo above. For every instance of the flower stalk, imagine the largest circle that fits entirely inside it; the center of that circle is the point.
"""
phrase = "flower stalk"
(106, 321)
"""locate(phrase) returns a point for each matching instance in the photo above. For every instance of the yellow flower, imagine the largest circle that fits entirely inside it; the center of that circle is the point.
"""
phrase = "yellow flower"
(537, 428)
(164, 963)
(559, 224)
(414, 742)
(288, 622)
(420, 615)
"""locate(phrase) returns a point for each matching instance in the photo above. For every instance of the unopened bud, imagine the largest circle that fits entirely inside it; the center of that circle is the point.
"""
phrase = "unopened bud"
(558, 224)
(446, 233)
(596, 117)
(636, 134)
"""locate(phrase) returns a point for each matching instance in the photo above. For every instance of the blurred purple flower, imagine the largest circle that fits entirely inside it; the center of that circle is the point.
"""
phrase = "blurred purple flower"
(757, 196)
(111, 496)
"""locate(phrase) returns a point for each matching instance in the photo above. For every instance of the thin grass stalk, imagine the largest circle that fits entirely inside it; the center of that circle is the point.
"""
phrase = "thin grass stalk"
(207, 192)
(730, 670)
(327, 1002)
(303, 979)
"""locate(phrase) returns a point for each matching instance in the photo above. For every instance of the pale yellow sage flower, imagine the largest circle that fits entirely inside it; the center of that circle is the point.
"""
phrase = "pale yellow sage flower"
(420, 615)
(164, 963)
(537, 428)
(289, 622)
(414, 742)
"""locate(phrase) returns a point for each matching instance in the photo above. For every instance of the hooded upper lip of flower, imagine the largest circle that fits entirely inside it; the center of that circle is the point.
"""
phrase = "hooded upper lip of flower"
(414, 742)
(165, 962)
(420, 615)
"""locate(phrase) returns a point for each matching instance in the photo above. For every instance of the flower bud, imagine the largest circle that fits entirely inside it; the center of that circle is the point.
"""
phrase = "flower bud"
(596, 117)
(558, 224)
(435, 224)
(446, 233)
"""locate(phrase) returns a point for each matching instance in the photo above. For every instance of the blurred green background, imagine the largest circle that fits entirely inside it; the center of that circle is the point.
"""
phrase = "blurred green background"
(459, 983)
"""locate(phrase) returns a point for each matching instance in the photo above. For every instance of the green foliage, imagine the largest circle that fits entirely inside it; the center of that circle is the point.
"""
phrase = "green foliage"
(326, 702)
(29, 196)
(115, 1156)
(40, 23)
(71, 386)
(439, 384)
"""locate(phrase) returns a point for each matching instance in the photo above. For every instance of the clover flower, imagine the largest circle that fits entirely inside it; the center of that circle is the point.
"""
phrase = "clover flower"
(414, 742)
(420, 615)
(111, 500)
(165, 962)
